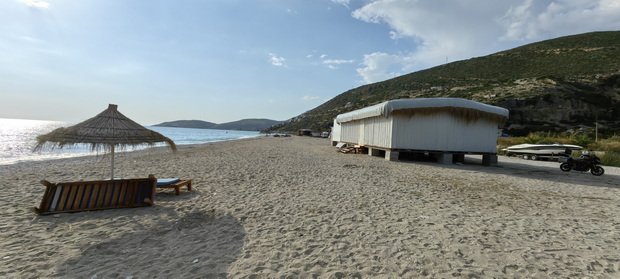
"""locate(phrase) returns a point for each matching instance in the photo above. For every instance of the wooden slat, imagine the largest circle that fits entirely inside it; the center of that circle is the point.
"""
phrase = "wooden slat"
(71, 194)
(86, 194)
(55, 199)
(123, 197)
(115, 192)
(95, 195)
(132, 193)
(77, 200)
(47, 197)
(118, 195)
(92, 201)
(61, 201)
(109, 192)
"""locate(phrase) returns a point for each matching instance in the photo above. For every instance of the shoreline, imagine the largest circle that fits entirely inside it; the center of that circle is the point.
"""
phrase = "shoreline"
(278, 207)
(68, 161)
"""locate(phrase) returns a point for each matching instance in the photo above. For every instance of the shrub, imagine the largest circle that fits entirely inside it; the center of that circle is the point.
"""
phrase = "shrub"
(581, 140)
(534, 138)
(610, 146)
(610, 159)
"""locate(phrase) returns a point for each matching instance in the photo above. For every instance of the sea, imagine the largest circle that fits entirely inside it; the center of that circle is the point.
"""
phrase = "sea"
(18, 139)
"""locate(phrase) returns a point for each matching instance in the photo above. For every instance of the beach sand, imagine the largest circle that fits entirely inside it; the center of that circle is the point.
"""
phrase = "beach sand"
(294, 207)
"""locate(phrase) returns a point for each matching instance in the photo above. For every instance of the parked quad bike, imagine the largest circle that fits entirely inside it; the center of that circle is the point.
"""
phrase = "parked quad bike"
(588, 163)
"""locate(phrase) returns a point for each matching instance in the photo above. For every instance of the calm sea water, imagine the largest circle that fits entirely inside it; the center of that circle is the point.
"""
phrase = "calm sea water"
(18, 139)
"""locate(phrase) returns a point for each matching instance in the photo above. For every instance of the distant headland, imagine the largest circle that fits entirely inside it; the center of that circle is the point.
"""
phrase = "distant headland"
(243, 125)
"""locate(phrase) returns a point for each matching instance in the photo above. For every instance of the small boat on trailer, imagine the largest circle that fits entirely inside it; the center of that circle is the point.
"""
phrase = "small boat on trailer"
(541, 150)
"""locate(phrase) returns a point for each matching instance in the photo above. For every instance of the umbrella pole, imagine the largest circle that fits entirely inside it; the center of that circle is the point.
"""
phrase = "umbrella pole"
(112, 170)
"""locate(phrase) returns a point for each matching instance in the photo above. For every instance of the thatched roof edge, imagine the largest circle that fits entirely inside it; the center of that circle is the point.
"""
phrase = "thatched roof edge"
(108, 128)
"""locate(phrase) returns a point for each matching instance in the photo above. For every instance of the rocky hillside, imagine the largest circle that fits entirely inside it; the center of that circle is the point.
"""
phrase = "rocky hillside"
(555, 85)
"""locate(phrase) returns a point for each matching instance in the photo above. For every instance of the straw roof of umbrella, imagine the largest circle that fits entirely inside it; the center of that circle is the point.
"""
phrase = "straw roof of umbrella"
(105, 131)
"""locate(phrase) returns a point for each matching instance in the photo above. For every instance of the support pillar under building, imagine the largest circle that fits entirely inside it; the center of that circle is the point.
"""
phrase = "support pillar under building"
(489, 159)
(391, 155)
(445, 158)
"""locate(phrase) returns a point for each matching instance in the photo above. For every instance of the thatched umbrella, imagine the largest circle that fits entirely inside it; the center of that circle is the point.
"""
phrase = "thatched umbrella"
(105, 131)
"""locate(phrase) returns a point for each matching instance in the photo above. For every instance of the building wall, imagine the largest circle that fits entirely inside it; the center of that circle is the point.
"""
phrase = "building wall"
(434, 132)
(375, 131)
(349, 131)
(443, 132)
(335, 134)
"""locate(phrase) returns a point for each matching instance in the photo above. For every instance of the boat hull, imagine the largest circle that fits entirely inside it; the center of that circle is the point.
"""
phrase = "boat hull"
(541, 149)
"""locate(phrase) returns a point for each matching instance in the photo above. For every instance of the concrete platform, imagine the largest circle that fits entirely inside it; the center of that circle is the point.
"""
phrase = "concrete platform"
(442, 157)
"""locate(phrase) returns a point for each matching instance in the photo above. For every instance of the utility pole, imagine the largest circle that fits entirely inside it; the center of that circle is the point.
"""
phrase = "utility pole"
(596, 131)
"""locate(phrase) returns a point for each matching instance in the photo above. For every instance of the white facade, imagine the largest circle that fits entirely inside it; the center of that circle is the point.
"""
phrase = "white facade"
(437, 124)
(335, 134)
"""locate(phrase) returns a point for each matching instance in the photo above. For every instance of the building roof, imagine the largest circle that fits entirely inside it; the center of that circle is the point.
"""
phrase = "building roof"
(427, 106)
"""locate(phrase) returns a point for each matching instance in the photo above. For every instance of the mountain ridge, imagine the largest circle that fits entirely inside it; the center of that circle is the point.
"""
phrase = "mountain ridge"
(250, 124)
(555, 85)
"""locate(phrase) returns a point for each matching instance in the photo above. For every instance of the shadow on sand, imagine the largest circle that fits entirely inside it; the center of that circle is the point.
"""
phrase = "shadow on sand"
(197, 244)
(542, 170)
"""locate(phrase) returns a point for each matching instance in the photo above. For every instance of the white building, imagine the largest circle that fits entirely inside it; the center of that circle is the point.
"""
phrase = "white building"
(447, 128)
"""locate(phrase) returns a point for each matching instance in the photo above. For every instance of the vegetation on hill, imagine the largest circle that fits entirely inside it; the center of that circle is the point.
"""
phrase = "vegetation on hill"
(608, 149)
(248, 124)
(196, 124)
(553, 85)
(244, 125)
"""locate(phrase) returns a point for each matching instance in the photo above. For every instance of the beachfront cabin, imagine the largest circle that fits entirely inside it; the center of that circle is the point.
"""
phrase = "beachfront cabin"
(304, 132)
(445, 128)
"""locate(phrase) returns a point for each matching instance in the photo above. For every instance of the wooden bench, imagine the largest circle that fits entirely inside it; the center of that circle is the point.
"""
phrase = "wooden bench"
(96, 195)
(174, 183)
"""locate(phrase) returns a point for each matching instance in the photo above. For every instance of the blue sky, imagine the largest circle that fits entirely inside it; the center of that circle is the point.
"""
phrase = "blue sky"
(226, 60)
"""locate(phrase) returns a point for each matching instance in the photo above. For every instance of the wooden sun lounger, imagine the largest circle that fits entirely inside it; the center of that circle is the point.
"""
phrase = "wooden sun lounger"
(176, 184)
(96, 195)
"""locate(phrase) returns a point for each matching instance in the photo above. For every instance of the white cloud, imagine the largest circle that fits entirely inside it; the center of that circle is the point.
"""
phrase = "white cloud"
(311, 98)
(323, 56)
(277, 60)
(331, 63)
(457, 30)
(517, 20)
(379, 66)
(441, 30)
(36, 3)
(529, 21)
(342, 2)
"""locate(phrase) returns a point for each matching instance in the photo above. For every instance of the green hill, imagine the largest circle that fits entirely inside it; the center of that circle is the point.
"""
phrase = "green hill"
(248, 124)
(196, 124)
(244, 125)
(553, 85)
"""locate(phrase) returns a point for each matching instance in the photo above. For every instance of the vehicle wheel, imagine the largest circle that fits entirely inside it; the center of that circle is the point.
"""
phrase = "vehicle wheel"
(598, 171)
(534, 157)
(565, 167)
(526, 157)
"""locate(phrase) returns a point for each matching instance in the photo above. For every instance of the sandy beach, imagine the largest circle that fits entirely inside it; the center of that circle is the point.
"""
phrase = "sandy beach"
(294, 207)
